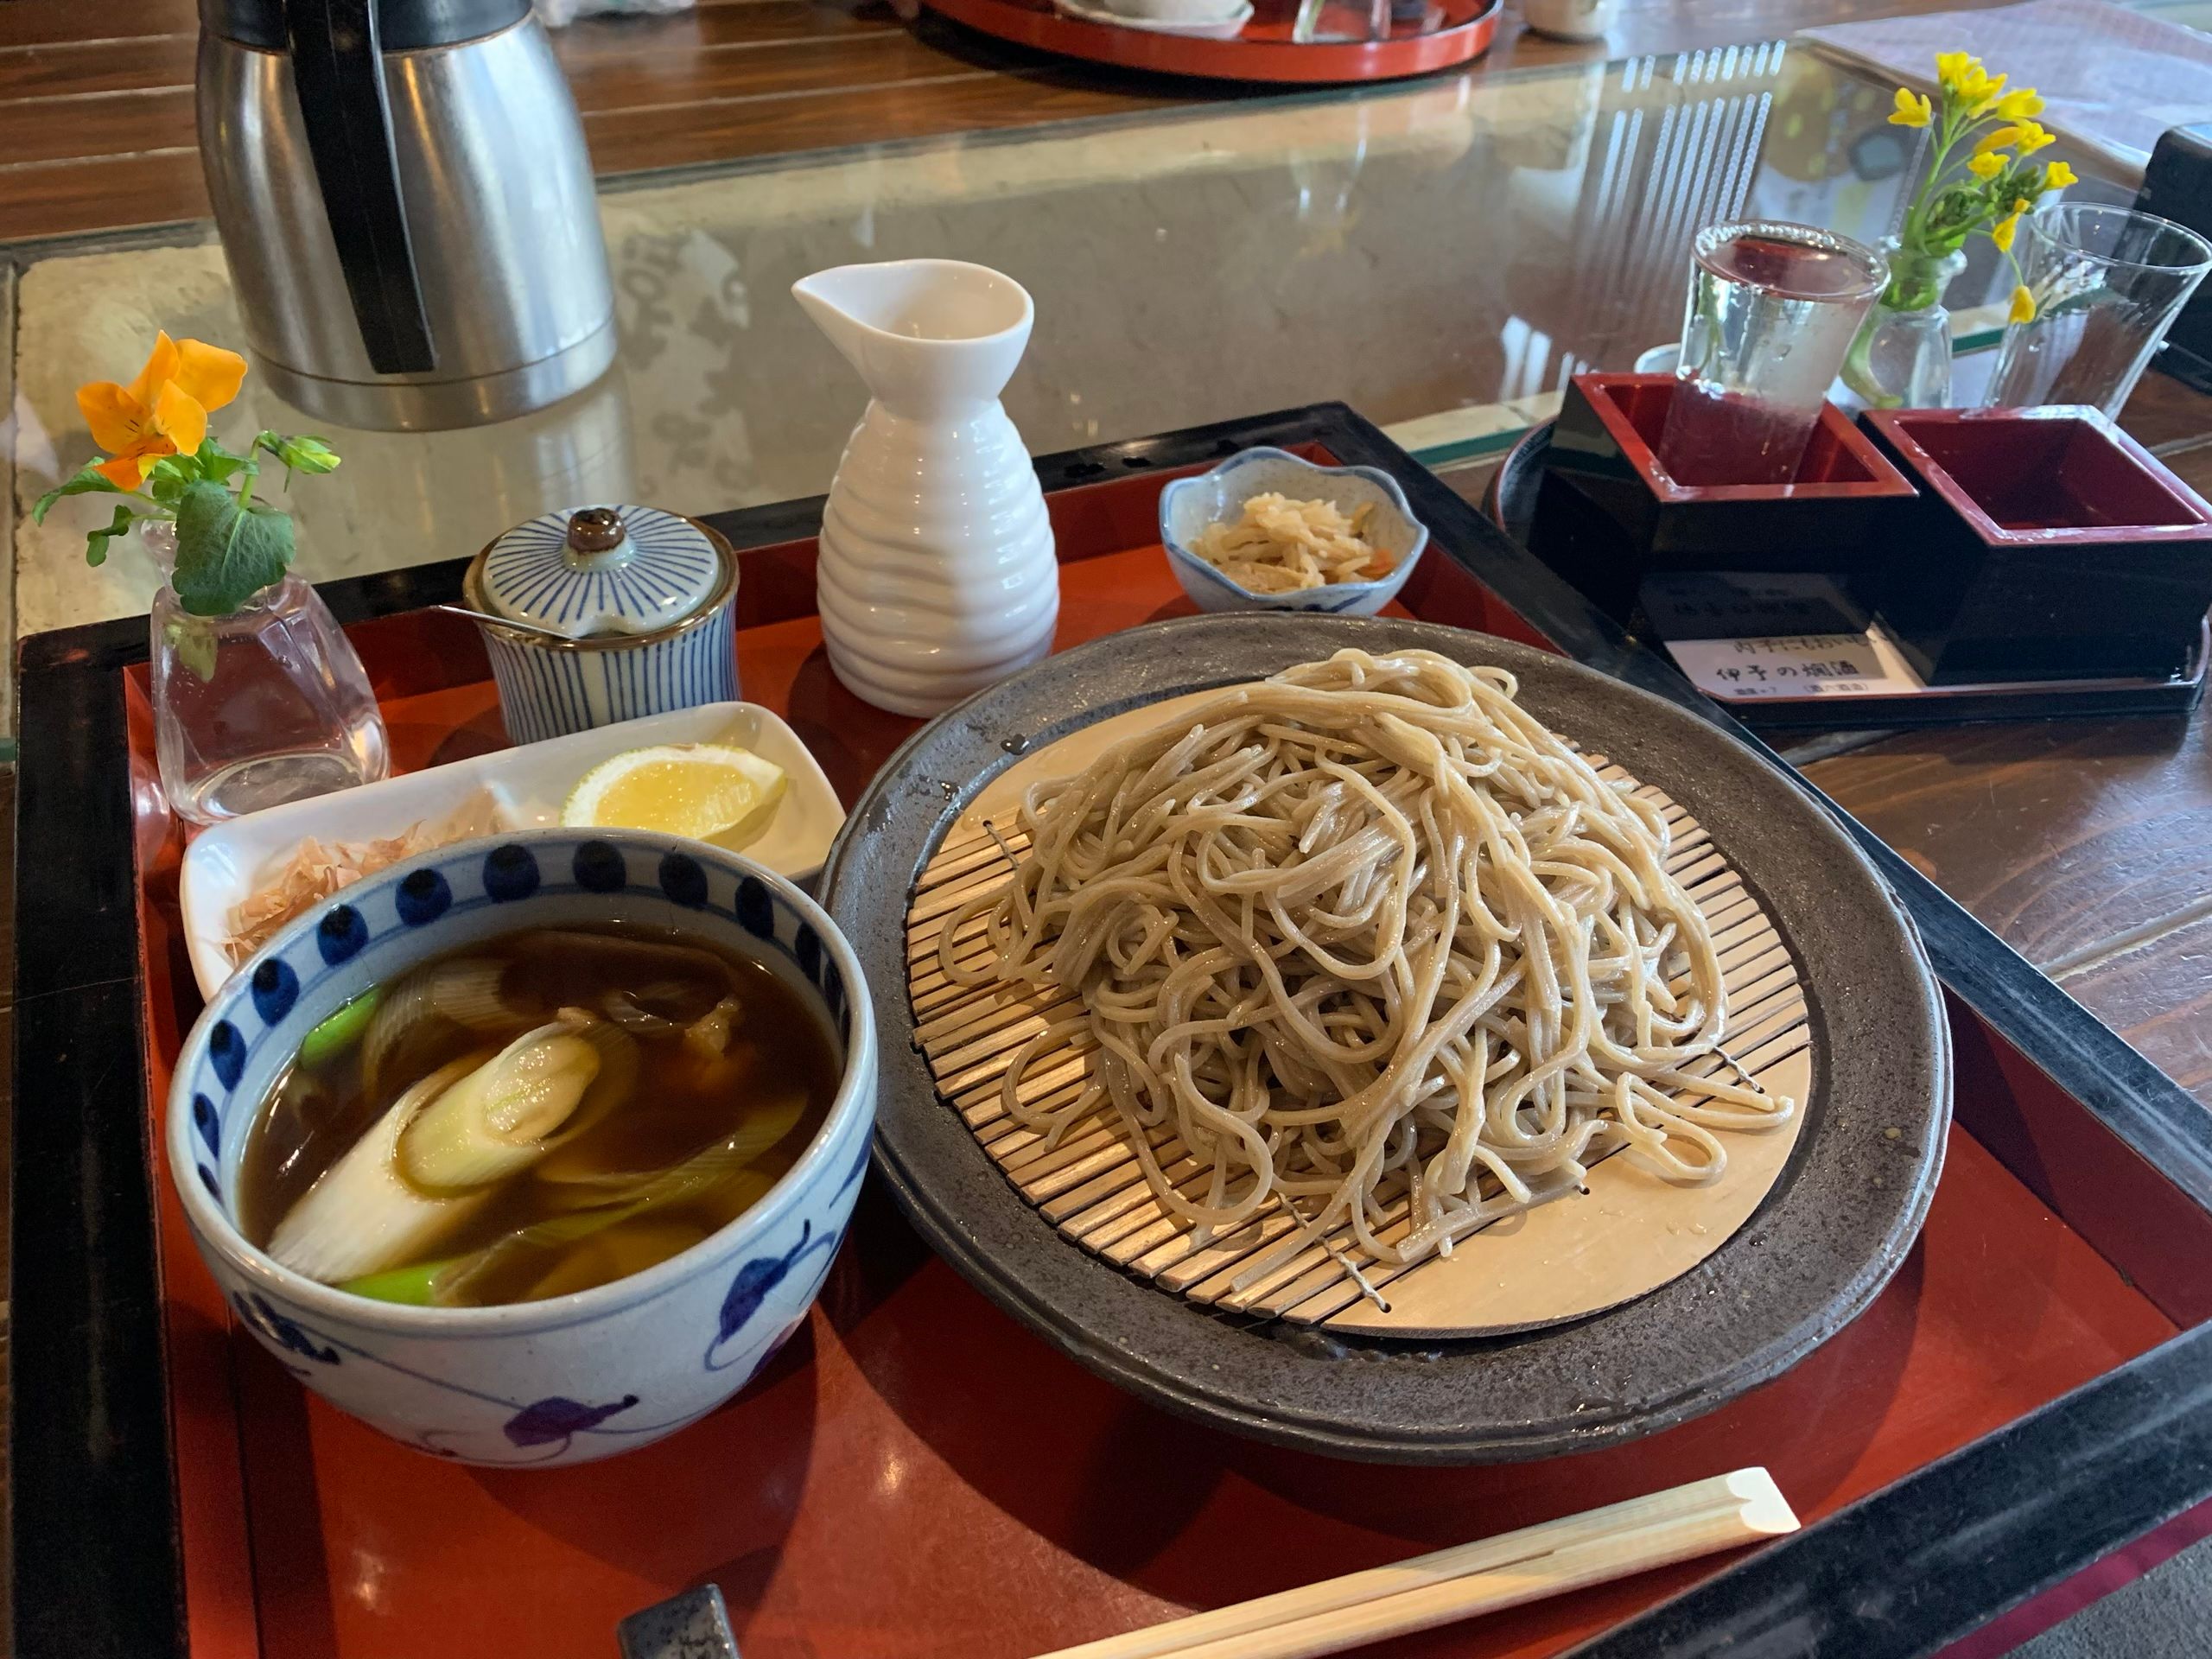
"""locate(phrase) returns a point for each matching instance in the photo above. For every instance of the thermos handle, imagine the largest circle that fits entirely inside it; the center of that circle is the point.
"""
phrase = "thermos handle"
(338, 68)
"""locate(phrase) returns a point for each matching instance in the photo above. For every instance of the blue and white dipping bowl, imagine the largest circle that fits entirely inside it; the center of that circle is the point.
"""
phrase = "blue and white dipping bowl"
(550, 687)
(571, 1378)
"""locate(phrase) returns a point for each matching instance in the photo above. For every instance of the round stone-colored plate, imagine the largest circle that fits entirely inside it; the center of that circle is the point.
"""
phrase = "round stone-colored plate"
(1836, 1224)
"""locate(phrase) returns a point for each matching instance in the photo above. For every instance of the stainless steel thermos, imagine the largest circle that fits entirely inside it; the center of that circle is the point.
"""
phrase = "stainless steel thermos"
(406, 206)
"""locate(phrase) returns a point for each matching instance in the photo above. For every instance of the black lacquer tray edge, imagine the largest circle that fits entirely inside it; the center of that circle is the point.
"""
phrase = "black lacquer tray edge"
(92, 1531)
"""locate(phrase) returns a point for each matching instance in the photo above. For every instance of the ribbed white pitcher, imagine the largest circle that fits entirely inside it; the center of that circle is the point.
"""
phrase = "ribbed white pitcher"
(937, 575)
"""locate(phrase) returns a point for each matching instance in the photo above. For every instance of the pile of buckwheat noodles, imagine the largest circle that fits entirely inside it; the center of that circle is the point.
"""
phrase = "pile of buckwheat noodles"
(1377, 946)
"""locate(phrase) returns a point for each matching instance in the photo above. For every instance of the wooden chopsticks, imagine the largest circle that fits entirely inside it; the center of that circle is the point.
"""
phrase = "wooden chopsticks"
(1454, 1584)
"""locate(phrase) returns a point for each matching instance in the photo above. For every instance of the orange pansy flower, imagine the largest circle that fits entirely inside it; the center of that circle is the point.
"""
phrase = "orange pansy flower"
(163, 411)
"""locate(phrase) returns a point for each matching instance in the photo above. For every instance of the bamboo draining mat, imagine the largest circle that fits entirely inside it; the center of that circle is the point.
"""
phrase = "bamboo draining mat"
(1559, 1261)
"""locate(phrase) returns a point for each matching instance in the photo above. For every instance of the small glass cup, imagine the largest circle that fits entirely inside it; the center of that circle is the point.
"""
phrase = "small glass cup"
(1772, 309)
(2107, 284)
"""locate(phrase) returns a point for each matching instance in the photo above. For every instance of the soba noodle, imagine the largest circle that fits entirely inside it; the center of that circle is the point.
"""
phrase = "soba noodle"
(1376, 945)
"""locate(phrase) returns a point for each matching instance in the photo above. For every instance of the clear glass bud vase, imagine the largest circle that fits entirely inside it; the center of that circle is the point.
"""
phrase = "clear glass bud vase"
(265, 705)
(1901, 356)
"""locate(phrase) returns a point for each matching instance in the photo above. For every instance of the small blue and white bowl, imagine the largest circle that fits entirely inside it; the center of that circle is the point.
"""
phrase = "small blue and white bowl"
(1189, 505)
(571, 1378)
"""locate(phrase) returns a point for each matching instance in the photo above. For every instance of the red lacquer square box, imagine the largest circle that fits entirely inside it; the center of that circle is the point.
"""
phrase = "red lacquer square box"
(1608, 514)
(2046, 543)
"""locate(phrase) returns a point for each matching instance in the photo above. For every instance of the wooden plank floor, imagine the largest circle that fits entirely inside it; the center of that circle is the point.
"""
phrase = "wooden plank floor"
(95, 108)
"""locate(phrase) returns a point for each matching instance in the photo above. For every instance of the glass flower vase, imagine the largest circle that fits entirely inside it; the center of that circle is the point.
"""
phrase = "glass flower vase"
(265, 705)
(1901, 356)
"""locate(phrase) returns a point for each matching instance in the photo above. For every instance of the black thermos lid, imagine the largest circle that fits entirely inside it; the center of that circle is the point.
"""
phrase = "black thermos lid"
(402, 25)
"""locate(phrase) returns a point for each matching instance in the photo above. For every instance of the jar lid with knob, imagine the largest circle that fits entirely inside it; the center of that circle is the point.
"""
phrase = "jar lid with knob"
(602, 572)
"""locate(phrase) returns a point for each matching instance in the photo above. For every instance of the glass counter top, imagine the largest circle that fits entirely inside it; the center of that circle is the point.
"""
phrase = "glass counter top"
(1442, 255)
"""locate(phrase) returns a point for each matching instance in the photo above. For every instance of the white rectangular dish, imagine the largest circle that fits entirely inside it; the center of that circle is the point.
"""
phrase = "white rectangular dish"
(226, 864)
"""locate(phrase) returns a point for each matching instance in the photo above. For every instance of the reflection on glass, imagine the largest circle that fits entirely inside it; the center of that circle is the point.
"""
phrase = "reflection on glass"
(1772, 308)
(443, 495)
(1187, 268)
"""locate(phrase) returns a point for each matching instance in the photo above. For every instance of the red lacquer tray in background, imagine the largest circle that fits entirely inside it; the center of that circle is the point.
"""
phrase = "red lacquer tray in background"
(916, 1474)
(1263, 51)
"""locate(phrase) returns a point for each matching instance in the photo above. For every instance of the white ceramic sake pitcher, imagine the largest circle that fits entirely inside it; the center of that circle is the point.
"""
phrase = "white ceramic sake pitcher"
(937, 576)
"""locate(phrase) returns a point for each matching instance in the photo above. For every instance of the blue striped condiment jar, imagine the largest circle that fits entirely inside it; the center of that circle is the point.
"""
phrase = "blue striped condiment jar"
(645, 601)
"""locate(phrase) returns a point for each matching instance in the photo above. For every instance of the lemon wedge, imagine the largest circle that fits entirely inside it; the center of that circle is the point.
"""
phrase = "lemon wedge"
(710, 791)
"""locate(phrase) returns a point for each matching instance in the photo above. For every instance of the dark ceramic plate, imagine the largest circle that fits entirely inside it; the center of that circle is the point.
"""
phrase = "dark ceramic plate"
(1838, 1223)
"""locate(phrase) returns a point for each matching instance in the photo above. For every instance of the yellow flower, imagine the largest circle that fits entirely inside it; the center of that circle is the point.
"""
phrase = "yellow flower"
(1964, 78)
(2019, 105)
(1988, 164)
(1913, 110)
(2057, 176)
(2026, 135)
(2004, 230)
(2024, 305)
(163, 411)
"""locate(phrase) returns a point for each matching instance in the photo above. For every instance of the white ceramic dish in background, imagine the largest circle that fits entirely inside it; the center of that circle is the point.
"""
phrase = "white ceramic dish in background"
(1189, 505)
(1191, 27)
(226, 864)
(1571, 19)
(572, 1378)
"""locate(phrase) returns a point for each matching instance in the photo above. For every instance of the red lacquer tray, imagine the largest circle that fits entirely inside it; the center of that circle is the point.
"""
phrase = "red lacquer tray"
(1456, 32)
(916, 1474)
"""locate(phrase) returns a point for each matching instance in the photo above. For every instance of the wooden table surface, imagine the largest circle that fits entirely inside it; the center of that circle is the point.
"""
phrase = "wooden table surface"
(96, 107)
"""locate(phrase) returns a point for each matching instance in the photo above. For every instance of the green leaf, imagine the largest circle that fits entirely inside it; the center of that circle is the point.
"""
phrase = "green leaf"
(218, 465)
(226, 554)
(87, 482)
(194, 641)
(167, 479)
(95, 543)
